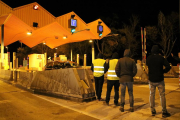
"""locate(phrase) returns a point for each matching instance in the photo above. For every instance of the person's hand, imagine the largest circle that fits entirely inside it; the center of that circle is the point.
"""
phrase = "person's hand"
(171, 54)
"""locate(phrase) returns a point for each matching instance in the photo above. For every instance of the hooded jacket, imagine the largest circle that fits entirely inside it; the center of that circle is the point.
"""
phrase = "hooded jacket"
(155, 63)
(126, 68)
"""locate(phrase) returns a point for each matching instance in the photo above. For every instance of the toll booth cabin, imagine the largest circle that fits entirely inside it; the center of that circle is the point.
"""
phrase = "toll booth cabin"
(6, 61)
(36, 62)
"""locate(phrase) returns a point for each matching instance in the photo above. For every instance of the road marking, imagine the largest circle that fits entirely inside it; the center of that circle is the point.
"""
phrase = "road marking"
(12, 91)
(82, 112)
(4, 101)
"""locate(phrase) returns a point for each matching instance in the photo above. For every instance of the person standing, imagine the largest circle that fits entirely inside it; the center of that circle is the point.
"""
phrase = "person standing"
(126, 69)
(155, 63)
(112, 79)
(98, 70)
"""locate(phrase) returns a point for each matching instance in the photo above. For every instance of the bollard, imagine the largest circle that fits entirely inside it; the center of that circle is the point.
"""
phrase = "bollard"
(179, 74)
(84, 60)
(15, 76)
(78, 59)
(11, 76)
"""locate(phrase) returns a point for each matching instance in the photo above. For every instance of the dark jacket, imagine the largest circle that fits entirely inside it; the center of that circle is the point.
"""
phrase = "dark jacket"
(99, 56)
(155, 63)
(126, 68)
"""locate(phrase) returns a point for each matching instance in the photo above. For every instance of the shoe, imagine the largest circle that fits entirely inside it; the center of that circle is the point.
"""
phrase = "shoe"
(131, 109)
(121, 109)
(106, 103)
(116, 104)
(153, 112)
(166, 114)
(101, 99)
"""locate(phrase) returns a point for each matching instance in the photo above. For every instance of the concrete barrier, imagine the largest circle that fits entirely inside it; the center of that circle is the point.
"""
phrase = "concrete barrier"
(70, 83)
(173, 72)
(6, 74)
(141, 76)
(24, 78)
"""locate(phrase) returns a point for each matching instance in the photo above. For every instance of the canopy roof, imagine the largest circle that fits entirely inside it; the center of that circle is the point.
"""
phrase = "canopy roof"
(51, 30)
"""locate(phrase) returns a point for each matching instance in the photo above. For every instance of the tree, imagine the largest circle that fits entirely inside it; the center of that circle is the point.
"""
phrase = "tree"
(109, 44)
(64, 50)
(151, 36)
(129, 31)
(22, 53)
(167, 30)
(43, 48)
(81, 48)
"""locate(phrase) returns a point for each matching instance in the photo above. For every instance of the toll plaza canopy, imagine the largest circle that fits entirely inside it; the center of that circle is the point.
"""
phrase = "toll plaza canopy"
(43, 27)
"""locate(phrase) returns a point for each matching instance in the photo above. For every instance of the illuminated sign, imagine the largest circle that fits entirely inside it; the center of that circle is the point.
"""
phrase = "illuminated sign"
(100, 29)
(73, 30)
(73, 23)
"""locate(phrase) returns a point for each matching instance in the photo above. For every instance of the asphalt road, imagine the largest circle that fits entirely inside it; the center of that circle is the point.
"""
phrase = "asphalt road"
(17, 104)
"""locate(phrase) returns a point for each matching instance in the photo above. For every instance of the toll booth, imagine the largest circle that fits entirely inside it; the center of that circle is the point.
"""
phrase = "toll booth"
(6, 61)
(36, 62)
(62, 58)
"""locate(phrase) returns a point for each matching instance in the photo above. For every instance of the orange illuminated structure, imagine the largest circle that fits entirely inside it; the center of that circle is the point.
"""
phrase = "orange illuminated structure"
(43, 27)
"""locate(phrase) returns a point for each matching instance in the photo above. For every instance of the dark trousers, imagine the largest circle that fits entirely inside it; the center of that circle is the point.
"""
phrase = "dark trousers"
(98, 86)
(110, 84)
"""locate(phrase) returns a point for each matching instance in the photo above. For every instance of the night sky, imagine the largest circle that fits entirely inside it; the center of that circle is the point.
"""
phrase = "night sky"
(90, 10)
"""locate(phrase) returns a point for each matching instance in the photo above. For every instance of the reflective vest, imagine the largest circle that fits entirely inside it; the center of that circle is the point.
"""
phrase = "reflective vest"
(111, 71)
(98, 67)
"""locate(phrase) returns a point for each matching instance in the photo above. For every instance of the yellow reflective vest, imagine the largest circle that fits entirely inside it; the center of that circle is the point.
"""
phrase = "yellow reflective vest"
(98, 67)
(111, 71)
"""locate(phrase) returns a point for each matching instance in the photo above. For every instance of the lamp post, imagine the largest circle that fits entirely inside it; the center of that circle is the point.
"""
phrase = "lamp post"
(2, 45)
(93, 54)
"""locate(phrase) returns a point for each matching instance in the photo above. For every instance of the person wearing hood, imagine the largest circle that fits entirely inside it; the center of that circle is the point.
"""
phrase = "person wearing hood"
(155, 63)
(126, 69)
(98, 70)
(112, 79)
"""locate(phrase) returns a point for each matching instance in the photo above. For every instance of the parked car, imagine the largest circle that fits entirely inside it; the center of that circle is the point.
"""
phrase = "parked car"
(59, 65)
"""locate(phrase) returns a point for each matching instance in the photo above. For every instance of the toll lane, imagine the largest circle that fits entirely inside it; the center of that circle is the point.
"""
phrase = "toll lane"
(16, 104)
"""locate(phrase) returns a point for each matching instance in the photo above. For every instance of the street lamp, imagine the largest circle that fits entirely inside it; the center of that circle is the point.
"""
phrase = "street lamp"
(29, 33)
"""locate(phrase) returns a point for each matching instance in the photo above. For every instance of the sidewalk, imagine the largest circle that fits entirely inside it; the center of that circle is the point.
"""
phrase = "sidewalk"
(142, 111)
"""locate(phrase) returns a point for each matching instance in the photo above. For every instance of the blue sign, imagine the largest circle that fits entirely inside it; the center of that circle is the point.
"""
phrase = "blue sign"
(100, 28)
(73, 23)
